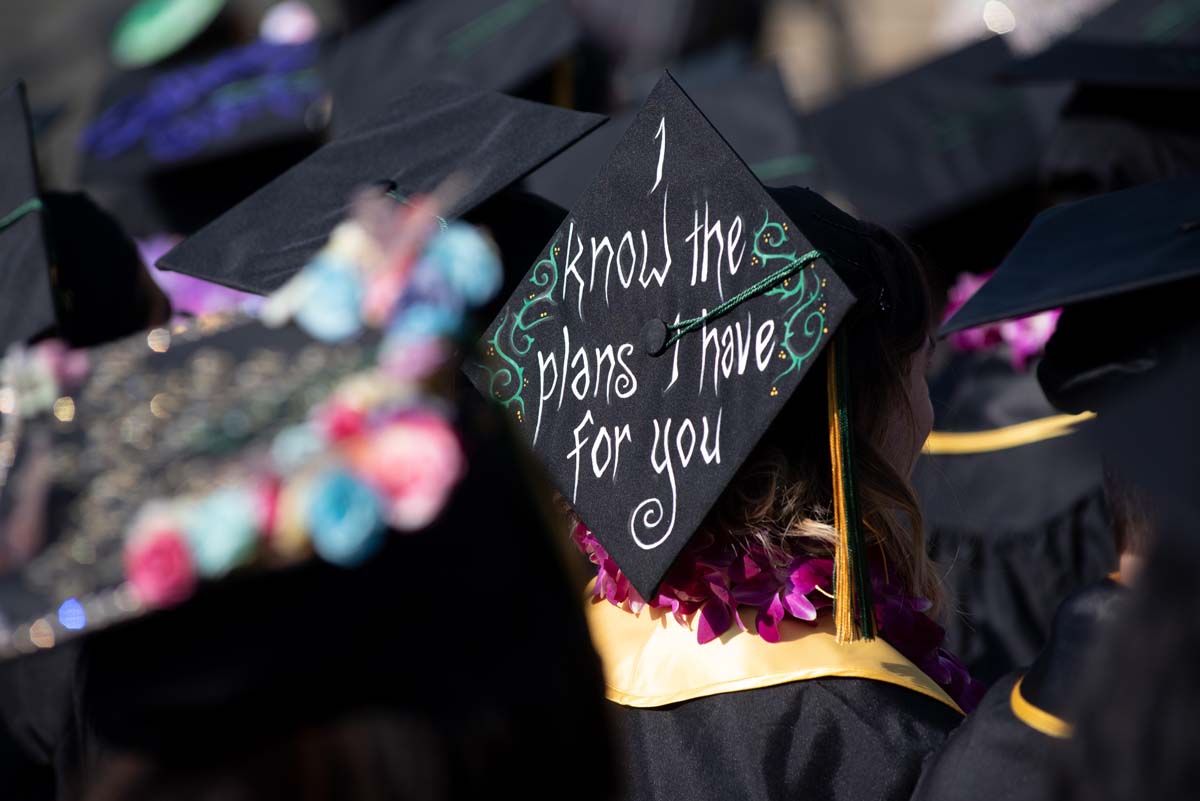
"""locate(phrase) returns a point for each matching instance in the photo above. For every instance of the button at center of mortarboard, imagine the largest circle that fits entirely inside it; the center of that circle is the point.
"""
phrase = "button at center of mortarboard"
(654, 336)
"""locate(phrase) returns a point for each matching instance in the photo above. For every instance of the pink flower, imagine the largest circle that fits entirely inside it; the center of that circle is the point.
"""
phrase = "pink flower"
(414, 462)
(159, 567)
(383, 292)
(339, 421)
(1025, 336)
(267, 496)
(69, 367)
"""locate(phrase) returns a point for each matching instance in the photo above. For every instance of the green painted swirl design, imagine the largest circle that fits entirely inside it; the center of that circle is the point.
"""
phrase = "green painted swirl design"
(800, 293)
(511, 338)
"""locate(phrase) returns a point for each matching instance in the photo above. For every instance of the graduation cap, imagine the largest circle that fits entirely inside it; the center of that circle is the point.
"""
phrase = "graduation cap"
(66, 266)
(432, 131)
(176, 147)
(1116, 262)
(752, 111)
(1112, 138)
(25, 289)
(1108, 245)
(917, 147)
(502, 45)
(663, 328)
(196, 468)
(1133, 43)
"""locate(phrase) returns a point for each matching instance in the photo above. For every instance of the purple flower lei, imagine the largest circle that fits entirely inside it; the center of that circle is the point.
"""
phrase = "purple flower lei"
(713, 579)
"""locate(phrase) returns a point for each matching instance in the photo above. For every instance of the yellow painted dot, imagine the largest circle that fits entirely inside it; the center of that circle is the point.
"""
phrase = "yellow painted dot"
(826, 330)
(64, 409)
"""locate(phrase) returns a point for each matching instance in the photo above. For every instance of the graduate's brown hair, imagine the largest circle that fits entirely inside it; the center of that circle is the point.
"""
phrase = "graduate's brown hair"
(783, 493)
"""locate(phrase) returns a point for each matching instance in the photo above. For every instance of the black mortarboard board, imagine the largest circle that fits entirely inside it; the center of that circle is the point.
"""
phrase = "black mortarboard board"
(25, 291)
(1142, 43)
(176, 147)
(501, 45)
(642, 445)
(922, 145)
(1096, 248)
(66, 266)
(752, 111)
(432, 131)
(1111, 138)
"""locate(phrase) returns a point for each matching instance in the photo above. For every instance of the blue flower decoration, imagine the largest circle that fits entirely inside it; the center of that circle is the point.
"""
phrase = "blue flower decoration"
(294, 446)
(345, 519)
(467, 262)
(222, 531)
(332, 310)
(425, 319)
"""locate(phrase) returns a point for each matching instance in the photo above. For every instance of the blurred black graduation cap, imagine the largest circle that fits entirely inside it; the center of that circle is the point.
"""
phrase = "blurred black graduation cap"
(1112, 138)
(502, 45)
(941, 152)
(175, 147)
(66, 267)
(751, 110)
(665, 326)
(1150, 44)
(434, 130)
(1124, 264)
(25, 289)
(1136, 71)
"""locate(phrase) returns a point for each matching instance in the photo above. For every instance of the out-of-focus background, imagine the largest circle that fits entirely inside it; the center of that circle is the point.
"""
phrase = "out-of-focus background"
(824, 47)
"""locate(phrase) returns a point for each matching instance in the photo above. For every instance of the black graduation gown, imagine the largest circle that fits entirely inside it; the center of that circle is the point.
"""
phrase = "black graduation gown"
(1011, 746)
(740, 718)
(1015, 513)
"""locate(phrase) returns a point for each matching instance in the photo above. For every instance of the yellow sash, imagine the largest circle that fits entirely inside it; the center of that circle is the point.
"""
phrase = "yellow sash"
(651, 660)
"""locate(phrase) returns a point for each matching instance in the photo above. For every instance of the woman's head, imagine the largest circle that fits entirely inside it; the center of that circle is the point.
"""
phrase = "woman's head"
(783, 492)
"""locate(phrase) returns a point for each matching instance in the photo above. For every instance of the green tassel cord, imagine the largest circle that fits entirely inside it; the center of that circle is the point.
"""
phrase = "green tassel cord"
(854, 609)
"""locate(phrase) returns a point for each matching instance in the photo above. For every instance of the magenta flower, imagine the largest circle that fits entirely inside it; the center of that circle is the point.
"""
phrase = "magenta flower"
(1025, 337)
(712, 582)
(159, 567)
(414, 462)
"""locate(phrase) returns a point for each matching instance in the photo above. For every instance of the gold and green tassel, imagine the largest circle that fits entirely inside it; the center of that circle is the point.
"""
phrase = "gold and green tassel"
(854, 610)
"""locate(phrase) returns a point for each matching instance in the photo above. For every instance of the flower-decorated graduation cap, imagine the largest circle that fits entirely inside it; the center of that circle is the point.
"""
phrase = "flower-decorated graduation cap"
(664, 327)
(434, 130)
(1118, 262)
(502, 45)
(259, 509)
(753, 113)
(1134, 43)
(66, 267)
(146, 468)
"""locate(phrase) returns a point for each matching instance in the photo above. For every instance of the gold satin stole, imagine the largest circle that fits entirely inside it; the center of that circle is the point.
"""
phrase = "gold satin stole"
(651, 660)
